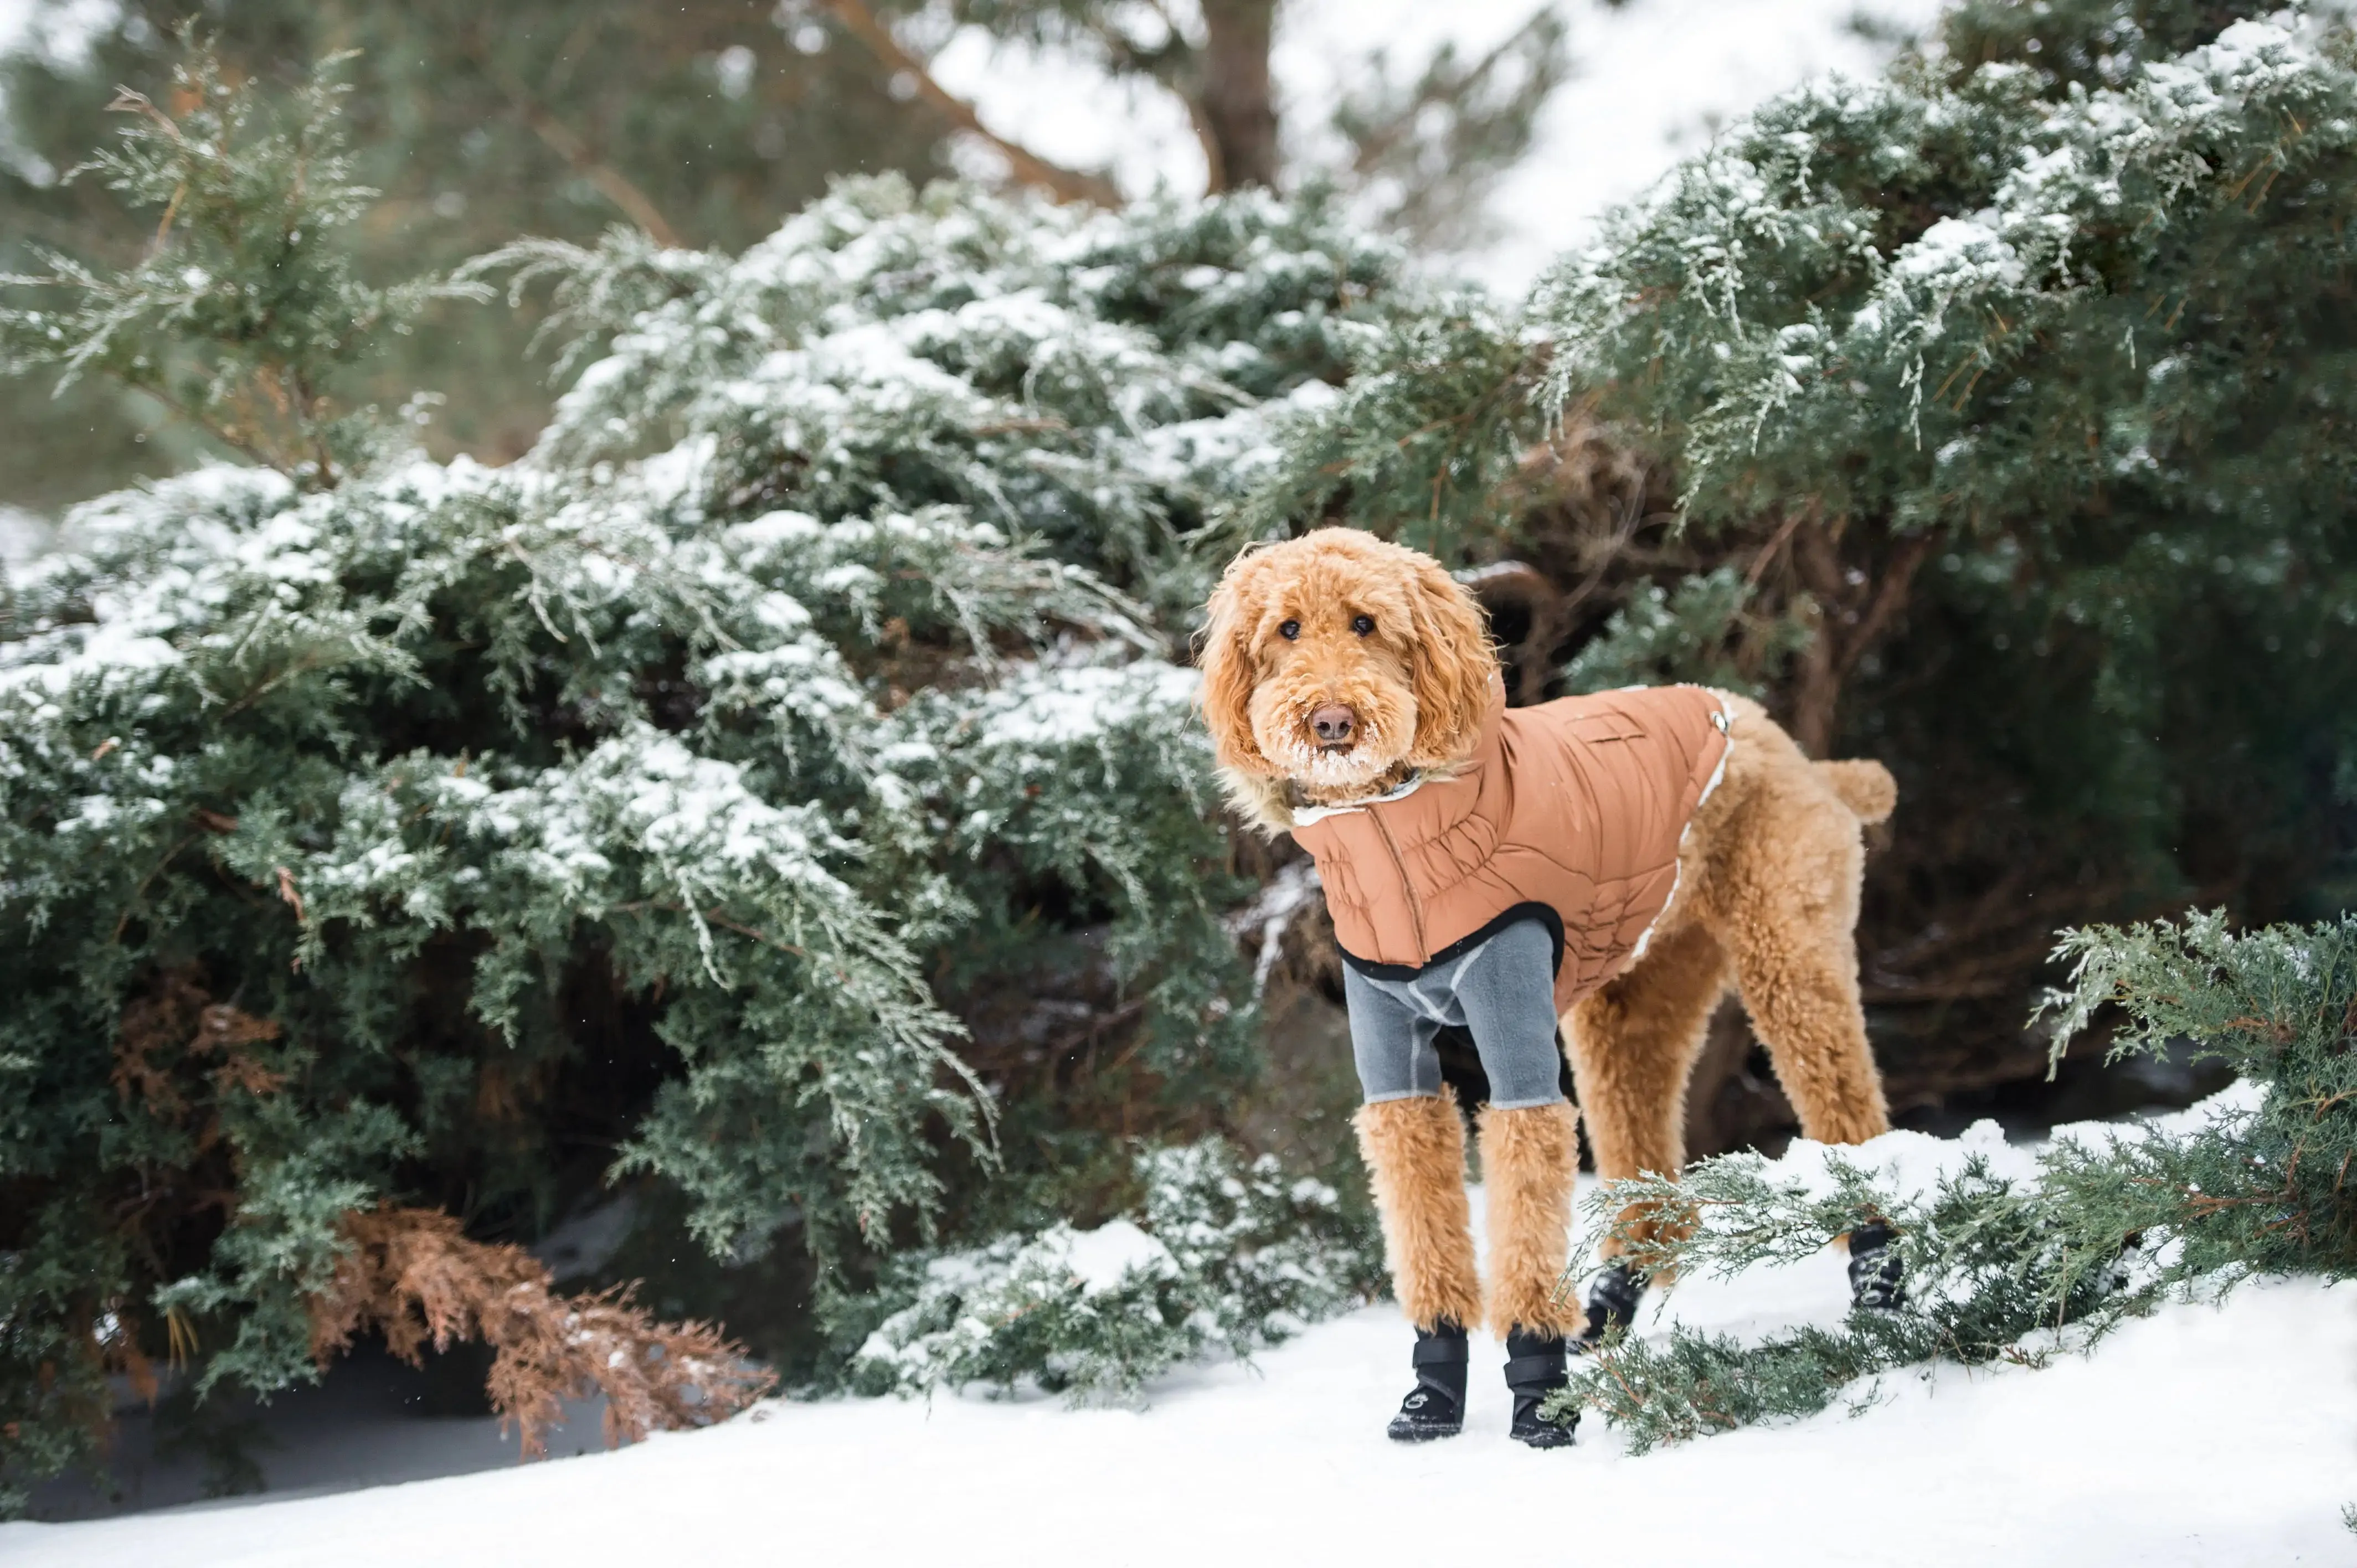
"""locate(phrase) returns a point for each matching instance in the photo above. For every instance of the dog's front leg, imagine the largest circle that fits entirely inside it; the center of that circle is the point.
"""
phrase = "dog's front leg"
(1415, 1150)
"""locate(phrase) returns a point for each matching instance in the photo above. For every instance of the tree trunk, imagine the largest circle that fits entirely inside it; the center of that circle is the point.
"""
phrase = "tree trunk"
(1238, 107)
(1816, 678)
(1855, 608)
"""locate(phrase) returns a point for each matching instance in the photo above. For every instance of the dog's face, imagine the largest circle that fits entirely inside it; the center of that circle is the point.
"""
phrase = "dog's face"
(1333, 659)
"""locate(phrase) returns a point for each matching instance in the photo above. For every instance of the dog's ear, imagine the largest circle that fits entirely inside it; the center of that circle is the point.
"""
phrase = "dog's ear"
(1451, 667)
(1224, 653)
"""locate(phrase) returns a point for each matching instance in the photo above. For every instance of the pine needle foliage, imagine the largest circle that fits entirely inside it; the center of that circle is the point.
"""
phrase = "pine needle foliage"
(2108, 1227)
(1224, 1256)
(245, 313)
(2018, 380)
(1980, 299)
(775, 782)
(706, 120)
(1707, 628)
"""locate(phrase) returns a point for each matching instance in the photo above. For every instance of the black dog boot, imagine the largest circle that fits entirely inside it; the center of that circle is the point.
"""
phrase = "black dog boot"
(1534, 1368)
(1877, 1276)
(1612, 1304)
(1435, 1406)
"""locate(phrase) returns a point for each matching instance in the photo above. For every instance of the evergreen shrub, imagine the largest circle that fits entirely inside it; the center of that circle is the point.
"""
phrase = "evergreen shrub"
(779, 786)
(1224, 1256)
(1990, 418)
(2105, 1225)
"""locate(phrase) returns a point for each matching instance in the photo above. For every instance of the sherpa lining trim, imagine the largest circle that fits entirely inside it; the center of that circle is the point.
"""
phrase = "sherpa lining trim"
(1726, 728)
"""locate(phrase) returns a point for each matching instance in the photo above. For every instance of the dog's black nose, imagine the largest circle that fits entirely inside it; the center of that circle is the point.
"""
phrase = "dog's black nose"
(1333, 724)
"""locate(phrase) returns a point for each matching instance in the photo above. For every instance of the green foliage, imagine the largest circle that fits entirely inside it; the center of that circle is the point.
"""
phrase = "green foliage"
(1224, 1256)
(244, 304)
(1702, 631)
(708, 120)
(2047, 318)
(2263, 1191)
(2106, 1226)
(55, 1403)
(1425, 439)
(760, 789)
(2021, 376)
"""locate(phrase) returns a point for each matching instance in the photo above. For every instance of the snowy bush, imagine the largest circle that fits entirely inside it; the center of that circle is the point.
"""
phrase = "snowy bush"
(2015, 1257)
(775, 779)
(1991, 418)
(1224, 1256)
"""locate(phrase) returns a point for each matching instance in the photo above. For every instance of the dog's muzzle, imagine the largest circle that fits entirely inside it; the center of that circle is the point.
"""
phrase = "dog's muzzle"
(1335, 726)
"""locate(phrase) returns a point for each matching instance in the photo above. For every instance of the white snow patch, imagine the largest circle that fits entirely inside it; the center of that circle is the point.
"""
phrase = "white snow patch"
(1102, 1258)
(2085, 1462)
(61, 32)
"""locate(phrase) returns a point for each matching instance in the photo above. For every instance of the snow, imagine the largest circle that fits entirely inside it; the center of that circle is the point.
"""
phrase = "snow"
(2088, 1461)
(2084, 1461)
(58, 30)
(22, 534)
(1102, 1257)
(1048, 708)
(1272, 912)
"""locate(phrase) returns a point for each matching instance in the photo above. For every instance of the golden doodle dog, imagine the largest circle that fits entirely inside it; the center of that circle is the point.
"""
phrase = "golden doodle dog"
(1613, 863)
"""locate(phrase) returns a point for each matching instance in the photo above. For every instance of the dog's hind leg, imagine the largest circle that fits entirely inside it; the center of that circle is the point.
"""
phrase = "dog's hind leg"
(1632, 1044)
(1787, 906)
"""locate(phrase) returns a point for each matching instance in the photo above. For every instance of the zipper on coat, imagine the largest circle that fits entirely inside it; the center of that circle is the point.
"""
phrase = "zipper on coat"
(1407, 886)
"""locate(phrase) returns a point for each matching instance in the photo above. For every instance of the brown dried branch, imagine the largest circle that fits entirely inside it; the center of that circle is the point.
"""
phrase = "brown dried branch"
(177, 1020)
(562, 140)
(412, 1275)
(1030, 168)
(289, 894)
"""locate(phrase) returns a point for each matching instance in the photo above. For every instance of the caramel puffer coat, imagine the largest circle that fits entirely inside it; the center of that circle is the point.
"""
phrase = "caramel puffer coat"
(1571, 812)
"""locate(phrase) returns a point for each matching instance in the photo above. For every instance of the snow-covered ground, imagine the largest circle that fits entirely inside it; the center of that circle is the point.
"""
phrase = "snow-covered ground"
(2202, 1436)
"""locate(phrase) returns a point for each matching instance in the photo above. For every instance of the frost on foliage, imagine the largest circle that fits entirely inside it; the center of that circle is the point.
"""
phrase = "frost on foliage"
(2013, 1253)
(1821, 317)
(1224, 1256)
(1704, 630)
(825, 641)
(1098, 381)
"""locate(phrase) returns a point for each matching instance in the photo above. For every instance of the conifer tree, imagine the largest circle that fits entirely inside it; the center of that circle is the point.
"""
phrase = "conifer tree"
(704, 122)
(1420, 150)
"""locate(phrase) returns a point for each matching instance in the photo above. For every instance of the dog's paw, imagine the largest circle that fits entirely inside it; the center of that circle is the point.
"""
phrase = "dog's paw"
(1876, 1275)
(1612, 1303)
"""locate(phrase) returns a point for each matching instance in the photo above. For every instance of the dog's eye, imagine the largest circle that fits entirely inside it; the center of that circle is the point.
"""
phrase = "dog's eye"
(1364, 625)
(1289, 631)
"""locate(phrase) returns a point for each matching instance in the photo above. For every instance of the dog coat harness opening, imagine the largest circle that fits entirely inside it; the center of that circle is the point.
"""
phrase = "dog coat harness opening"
(1571, 810)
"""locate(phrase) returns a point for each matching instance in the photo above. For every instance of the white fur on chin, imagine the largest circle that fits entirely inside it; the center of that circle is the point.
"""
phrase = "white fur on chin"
(1308, 764)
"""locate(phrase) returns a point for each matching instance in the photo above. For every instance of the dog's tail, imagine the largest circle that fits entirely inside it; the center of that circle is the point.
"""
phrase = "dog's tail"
(1865, 786)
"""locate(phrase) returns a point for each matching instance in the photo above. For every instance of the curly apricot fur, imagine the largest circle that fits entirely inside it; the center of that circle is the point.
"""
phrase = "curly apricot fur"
(1767, 902)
